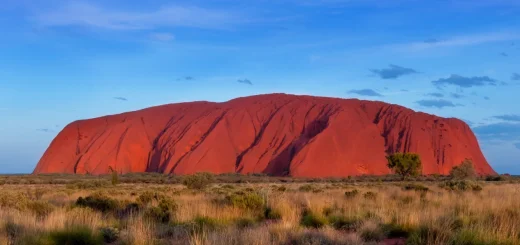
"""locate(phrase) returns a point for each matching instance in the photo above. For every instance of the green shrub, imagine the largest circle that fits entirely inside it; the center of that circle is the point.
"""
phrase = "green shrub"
(12, 229)
(406, 200)
(40, 208)
(313, 238)
(306, 188)
(272, 214)
(245, 223)
(427, 235)
(461, 185)
(98, 202)
(147, 197)
(75, 236)
(344, 223)
(372, 234)
(109, 234)
(370, 195)
(198, 181)
(88, 184)
(393, 230)
(249, 200)
(202, 223)
(13, 200)
(163, 212)
(312, 220)
(228, 186)
(464, 171)
(494, 178)
(352, 193)
(405, 164)
(416, 187)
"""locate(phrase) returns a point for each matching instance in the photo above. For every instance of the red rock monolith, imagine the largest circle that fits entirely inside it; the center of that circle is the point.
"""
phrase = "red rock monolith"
(276, 134)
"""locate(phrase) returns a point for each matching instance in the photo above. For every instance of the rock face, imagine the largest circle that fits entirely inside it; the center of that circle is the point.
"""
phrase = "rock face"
(277, 134)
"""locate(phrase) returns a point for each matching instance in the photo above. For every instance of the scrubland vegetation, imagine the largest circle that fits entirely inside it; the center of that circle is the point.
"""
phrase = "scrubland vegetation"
(234, 209)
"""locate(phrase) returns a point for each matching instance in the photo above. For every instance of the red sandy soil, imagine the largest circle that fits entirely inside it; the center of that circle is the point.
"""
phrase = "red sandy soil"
(277, 134)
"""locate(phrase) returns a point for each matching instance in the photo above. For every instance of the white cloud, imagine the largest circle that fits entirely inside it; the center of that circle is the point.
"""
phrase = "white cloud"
(458, 41)
(162, 36)
(90, 15)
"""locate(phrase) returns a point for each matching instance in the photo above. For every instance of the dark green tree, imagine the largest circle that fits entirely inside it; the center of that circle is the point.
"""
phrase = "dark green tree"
(405, 164)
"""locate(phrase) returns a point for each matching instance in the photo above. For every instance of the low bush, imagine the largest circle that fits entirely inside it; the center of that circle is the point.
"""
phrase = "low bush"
(203, 223)
(315, 238)
(198, 181)
(428, 235)
(147, 197)
(98, 202)
(109, 234)
(345, 223)
(76, 236)
(461, 185)
(371, 232)
(306, 188)
(245, 223)
(272, 214)
(249, 200)
(352, 193)
(416, 187)
(40, 208)
(163, 212)
(88, 184)
(313, 220)
(394, 230)
(13, 200)
(370, 195)
(464, 171)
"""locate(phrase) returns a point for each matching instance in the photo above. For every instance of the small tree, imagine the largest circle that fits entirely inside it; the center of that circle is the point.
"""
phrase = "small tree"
(115, 176)
(405, 164)
(464, 171)
(198, 180)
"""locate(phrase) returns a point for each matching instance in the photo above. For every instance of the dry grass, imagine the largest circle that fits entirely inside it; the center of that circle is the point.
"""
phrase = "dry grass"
(438, 216)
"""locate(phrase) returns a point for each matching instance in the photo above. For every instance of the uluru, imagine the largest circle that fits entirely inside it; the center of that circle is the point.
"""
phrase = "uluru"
(275, 134)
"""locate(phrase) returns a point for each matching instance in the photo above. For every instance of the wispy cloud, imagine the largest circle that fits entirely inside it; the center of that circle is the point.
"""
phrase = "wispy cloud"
(463, 40)
(121, 98)
(162, 36)
(45, 130)
(365, 92)
(186, 78)
(393, 72)
(498, 131)
(517, 145)
(431, 40)
(456, 95)
(465, 82)
(436, 103)
(510, 117)
(515, 77)
(245, 81)
(438, 95)
(90, 15)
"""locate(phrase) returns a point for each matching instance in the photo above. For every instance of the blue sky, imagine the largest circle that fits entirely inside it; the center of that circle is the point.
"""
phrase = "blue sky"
(66, 60)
